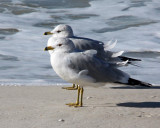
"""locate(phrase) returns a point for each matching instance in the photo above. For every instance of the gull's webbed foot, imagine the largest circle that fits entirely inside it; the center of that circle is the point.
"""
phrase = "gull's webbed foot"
(74, 104)
(78, 103)
(74, 87)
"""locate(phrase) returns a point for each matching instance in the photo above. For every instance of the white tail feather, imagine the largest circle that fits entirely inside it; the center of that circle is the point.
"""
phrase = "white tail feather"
(109, 46)
(117, 54)
(108, 43)
(122, 63)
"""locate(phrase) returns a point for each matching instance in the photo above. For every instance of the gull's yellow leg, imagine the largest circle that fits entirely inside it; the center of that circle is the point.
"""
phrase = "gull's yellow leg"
(78, 103)
(74, 87)
(81, 100)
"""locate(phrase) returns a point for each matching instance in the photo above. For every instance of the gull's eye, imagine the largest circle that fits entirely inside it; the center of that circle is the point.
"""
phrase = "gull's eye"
(59, 44)
(58, 31)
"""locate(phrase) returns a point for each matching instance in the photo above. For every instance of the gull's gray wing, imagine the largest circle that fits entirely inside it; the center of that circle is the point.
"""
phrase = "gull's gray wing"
(82, 43)
(88, 44)
(99, 70)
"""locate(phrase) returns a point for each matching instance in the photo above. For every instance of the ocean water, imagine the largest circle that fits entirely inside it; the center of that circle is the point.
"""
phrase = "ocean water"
(134, 23)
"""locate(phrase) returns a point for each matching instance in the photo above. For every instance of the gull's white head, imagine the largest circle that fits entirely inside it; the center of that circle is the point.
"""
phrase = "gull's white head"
(61, 45)
(62, 31)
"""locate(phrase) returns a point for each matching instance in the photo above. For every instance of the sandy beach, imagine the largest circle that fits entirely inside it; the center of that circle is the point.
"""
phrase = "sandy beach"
(104, 107)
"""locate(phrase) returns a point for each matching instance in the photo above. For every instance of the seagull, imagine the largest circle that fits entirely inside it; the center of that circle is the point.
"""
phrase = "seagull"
(81, 43)
(85, 68)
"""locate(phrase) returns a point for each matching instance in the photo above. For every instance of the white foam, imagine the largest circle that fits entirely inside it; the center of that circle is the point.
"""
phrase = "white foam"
(28, 44)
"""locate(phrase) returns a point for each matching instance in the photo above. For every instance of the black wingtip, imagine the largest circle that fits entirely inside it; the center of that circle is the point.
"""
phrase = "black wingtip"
(133, 82)
(123, 58)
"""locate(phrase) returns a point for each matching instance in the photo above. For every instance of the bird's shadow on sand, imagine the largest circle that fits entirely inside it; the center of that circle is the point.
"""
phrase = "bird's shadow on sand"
(136, 87)
(140, 104)
(129, 104)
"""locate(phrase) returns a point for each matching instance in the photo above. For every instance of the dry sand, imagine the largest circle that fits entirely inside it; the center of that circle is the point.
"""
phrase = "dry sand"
(44, 107)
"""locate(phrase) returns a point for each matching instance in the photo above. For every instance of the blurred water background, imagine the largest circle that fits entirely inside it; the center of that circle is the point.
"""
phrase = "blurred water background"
(134, 23)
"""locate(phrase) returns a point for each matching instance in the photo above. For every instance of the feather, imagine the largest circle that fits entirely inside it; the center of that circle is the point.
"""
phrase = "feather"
(110, 46)
(122, 63)
(117, 54)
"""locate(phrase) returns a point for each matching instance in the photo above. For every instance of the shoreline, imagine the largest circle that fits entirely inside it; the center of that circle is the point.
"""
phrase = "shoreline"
(44, 107)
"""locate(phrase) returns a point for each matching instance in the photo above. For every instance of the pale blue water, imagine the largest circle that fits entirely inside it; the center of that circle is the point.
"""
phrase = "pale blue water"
(134, 23)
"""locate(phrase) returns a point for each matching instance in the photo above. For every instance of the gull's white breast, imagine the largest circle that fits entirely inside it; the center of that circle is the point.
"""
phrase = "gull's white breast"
(60, 63)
